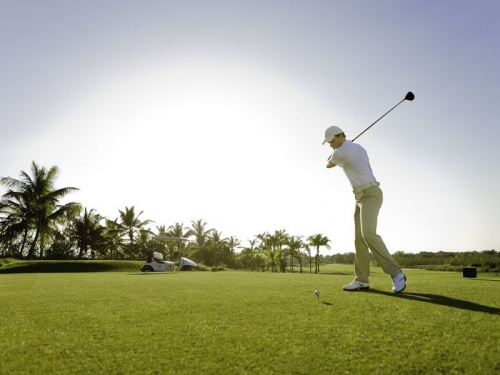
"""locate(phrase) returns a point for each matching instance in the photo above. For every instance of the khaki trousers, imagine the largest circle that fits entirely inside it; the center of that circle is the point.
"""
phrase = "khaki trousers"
(368, 203)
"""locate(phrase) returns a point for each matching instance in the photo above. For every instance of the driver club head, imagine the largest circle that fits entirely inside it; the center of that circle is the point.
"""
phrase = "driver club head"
(409, 96)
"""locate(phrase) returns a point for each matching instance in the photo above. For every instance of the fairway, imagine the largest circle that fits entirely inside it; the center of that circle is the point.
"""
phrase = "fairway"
(247, 323)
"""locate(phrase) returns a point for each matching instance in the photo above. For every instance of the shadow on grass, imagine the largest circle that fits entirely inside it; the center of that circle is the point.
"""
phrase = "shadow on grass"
(69, 266)
(441, 300)
(337, 273)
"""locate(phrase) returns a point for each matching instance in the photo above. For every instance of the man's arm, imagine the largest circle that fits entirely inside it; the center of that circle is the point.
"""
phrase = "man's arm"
(330, 164)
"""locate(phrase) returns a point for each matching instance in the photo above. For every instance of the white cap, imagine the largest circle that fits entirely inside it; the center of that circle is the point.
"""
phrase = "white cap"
(331, 132)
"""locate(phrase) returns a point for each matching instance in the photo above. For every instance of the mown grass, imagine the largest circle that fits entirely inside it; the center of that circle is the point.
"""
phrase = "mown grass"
(247, 323)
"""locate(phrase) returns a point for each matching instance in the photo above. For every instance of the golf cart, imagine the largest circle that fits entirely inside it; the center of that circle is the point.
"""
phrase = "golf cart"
(155, 262)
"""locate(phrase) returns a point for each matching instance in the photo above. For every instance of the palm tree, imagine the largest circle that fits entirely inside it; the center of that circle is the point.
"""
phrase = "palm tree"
(143, 244)
(178, 230)
(261, 258)
(268, 244)
(162, 246)
(162, 230)
(251, 251)
(201, 238)
(279, 239)
(317, 241)
(14, 211)
(218, 245)
(294, 244)
(113, 236)
(273, 259)
(88, 232)
(37, 202)
(308, 250)
(132, 226)
(232, 244)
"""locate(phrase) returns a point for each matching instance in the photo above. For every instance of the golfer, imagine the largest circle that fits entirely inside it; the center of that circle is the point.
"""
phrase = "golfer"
(353, 159)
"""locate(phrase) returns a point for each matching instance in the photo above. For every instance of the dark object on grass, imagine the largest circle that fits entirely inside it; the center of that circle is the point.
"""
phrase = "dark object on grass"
(470, 272)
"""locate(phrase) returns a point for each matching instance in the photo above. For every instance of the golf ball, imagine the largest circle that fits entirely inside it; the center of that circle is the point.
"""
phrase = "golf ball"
(316, 292)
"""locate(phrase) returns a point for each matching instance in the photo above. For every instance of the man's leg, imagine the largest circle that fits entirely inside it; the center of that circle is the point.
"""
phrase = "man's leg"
(369, 206)
(362, 257)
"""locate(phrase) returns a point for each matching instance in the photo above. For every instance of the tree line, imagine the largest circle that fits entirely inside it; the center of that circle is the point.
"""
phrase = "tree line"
(35, 225)
(484, 260)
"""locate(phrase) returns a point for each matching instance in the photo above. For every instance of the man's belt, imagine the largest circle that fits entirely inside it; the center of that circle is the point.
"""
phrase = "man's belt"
(364, 187)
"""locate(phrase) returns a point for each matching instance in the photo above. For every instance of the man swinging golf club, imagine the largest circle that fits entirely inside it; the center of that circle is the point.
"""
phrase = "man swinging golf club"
(353, 159)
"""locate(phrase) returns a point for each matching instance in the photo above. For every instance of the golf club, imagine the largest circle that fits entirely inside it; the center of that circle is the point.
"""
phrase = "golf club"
(408, 97)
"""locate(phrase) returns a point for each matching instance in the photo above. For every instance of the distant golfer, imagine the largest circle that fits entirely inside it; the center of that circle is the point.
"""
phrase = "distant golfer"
(353, 159)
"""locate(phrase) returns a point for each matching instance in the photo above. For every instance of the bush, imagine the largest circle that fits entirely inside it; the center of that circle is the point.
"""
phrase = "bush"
(51, 266)
(217, 269)
(7, 261)
(441, 268)
(200, 267)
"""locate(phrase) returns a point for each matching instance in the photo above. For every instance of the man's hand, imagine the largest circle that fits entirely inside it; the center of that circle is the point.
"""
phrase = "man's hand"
(330, 164)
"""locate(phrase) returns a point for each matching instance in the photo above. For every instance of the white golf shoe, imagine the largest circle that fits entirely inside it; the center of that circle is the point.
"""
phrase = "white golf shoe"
(399, 283)
(356, 285)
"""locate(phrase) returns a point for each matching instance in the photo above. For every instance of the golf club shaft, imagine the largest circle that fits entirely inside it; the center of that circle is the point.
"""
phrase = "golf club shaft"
(359, 135)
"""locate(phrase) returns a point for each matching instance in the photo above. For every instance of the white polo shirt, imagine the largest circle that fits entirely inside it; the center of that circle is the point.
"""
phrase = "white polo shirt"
(353, 159)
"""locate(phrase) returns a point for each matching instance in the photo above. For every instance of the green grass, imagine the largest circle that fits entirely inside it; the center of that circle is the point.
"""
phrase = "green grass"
(247, 323)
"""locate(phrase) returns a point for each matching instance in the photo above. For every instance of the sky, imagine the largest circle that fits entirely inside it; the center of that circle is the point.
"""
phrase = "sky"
(216, 110)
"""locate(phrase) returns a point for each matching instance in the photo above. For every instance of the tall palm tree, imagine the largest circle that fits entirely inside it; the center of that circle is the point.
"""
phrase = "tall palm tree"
(251, 251)
(217, 245)
(39, 199)
(317, 241)
(88, 232)
(143, 244)
(294, 244)
(248, 255)
(231, 245)
(179, 230)
(268, 245)
(308, 250)
(201, 235)
(113, 236)
(271, 244)
(273, 259)
(162, 230)
(132, 226)
(263, 247)
(14, 220)
(280, 237)
(161, 246)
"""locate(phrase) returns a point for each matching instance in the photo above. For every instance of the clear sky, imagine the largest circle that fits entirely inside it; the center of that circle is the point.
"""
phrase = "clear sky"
(216, 110)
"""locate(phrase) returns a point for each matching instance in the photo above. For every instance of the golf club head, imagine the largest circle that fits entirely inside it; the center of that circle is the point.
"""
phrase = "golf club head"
(409, 96)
